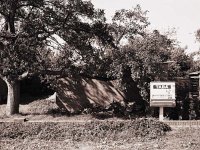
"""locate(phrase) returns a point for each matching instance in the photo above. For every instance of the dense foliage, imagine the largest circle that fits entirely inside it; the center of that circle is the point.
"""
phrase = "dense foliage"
(147, 58)
(66, 37)
(31, 29)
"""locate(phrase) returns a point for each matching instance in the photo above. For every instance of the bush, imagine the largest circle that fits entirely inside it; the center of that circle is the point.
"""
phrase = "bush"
(85, 131)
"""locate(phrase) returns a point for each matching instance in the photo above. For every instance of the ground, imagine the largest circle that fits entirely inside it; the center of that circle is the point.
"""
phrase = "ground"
(173, 141)
(177, 139)
(49, 130)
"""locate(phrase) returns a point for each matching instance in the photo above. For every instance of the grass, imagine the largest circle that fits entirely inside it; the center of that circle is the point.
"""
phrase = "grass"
(92, 131)
(83, 132)
(96, 135)
(80, 132)
(74, 133)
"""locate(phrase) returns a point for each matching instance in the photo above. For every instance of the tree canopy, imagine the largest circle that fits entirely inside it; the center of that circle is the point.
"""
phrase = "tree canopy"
(32, 30)
(28, 35)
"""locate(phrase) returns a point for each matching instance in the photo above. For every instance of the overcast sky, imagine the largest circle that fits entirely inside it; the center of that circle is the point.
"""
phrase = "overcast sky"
(164, 15)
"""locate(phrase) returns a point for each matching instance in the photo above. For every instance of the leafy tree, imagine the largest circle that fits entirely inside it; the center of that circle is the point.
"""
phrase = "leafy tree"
(107, 61)
(127, 24)
(141, 56)
(143, 59)
(181, 65)
(31, 29)
(195, 55)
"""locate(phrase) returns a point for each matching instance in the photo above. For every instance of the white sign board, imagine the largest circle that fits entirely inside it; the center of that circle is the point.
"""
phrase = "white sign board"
(162, 94)
(162, 90)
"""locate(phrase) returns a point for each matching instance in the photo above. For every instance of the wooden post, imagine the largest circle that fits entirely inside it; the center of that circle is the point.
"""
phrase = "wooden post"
(161, 112)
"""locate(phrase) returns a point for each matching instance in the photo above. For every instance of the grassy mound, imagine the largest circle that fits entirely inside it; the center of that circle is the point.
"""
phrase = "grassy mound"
(88, 131)
(42, 106)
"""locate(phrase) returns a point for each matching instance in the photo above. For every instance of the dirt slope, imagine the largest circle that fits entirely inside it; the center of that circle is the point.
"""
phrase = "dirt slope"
(77, 94)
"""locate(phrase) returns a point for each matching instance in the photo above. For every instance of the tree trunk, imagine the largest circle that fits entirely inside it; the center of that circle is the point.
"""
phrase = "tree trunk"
(13, 97)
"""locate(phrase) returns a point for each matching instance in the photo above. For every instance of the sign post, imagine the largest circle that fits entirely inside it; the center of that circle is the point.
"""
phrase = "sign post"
(162, 94)
(161, 113)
